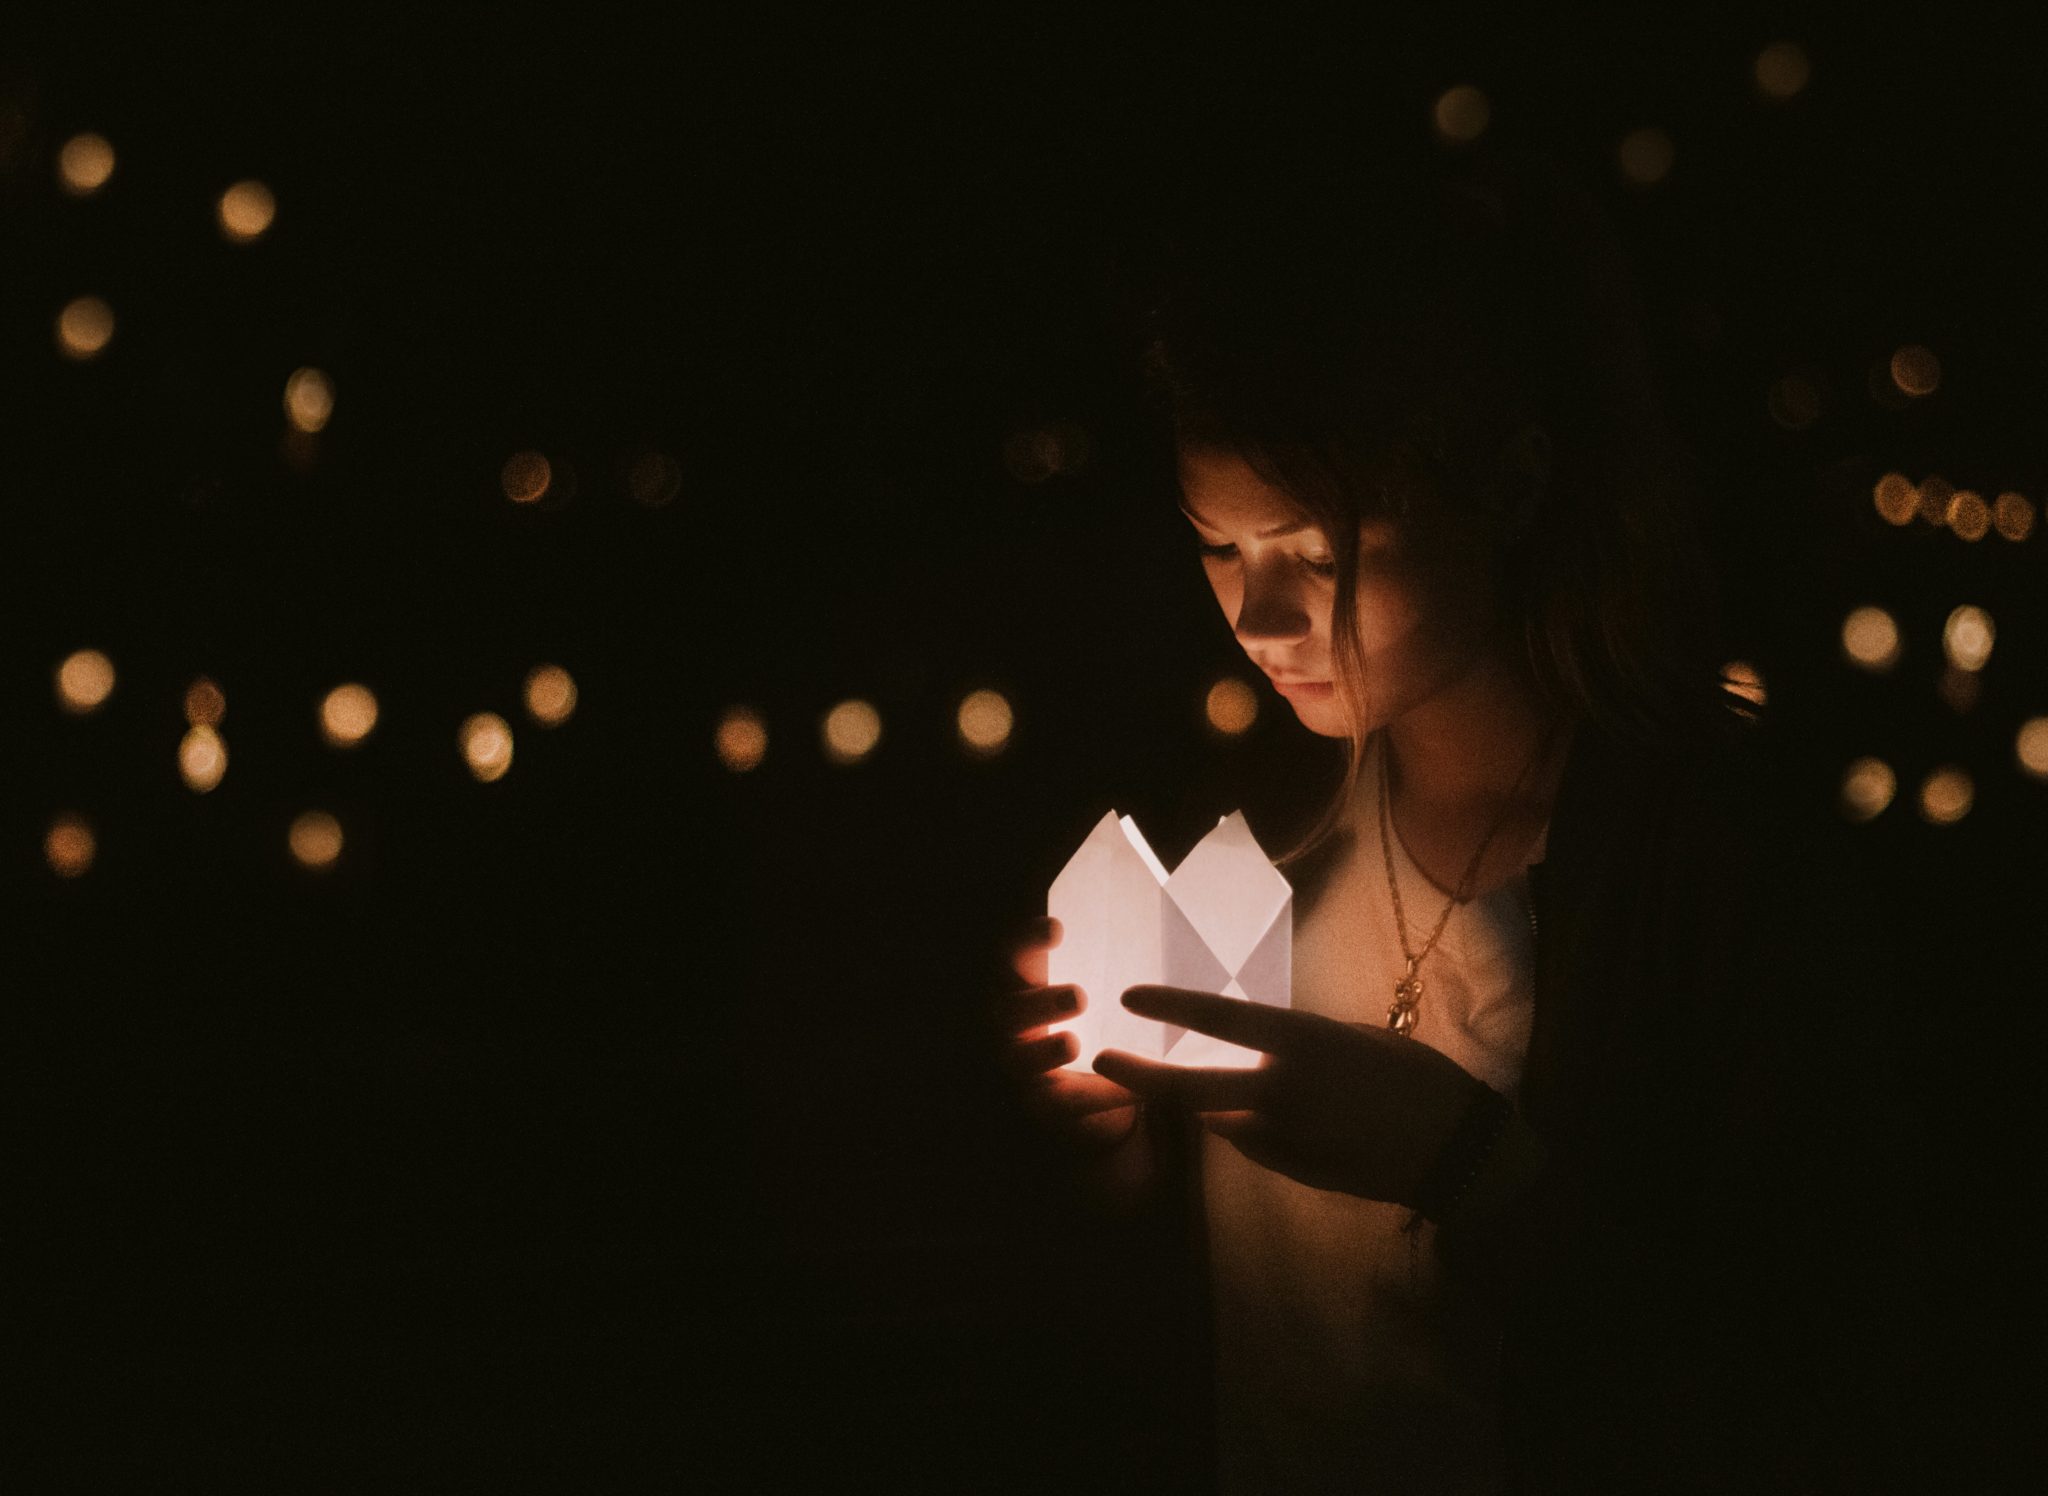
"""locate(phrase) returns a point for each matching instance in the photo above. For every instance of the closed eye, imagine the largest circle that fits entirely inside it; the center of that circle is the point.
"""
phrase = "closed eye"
(1227, 552)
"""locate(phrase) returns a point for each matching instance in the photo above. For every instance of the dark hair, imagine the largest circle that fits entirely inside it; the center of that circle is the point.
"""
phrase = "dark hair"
(1368, 336)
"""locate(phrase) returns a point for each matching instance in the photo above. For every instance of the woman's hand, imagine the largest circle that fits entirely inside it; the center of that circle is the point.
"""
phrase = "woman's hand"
(1086, 1108)
(1337, 1106)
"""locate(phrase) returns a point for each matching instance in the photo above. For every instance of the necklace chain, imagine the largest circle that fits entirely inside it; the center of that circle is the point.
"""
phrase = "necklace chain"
(1402, 1012)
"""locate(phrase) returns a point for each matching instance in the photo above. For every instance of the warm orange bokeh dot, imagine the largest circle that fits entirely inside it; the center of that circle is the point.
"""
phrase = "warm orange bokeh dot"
(1646, 156)
(985, 721)
(1745, 680)
(205, 703)
(1870, 638)
(202, 758)
(85, 163)
(851, 730)
(309, 400)
(85, 678)
(315, 839)
(550, 695)
(1916, 371)
(1868, 785)
(1946, 796)
(742, 739)
(1231, 707)
(84, 327)
(2013, 514)
(526, 476)
(1968, 515)
(347, 714)
(486, 745)
(1935, 492)
(1967, 637)
(246, 211)
(1896, 498)
(69, 846)
(1782, 70)
(2030, 746)
(1461, 113)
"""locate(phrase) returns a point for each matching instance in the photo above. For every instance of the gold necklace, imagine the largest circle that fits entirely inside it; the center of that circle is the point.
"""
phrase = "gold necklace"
(1401, 1014)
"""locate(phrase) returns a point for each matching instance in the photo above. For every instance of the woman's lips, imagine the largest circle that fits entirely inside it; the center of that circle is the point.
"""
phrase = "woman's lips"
(1303, 688)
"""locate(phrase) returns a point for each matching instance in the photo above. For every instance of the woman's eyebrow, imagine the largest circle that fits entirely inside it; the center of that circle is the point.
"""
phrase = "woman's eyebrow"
(1274, 533)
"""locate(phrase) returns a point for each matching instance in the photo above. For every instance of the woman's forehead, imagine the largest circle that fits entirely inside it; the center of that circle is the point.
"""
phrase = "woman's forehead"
(1223, 491)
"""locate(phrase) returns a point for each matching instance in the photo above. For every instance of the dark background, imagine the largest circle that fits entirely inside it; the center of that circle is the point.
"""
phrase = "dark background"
(630, 1118)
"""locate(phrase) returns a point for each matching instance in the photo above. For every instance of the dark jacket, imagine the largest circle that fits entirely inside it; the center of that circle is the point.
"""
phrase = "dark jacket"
(1712, 1286)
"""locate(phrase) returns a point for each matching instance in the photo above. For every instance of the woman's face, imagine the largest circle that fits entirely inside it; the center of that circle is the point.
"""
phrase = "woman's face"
(1425, 602)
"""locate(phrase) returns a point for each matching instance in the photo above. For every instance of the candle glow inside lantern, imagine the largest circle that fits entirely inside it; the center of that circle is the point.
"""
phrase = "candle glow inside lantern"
(1223, 921)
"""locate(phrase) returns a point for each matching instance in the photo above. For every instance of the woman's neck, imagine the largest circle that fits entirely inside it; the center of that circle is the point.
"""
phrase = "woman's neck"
(1466, 759)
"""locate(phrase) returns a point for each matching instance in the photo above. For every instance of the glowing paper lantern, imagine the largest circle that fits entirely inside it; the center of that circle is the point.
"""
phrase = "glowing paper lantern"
(1223, 921)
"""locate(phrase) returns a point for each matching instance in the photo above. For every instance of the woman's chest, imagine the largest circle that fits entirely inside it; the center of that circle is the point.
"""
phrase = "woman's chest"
(1477, 966)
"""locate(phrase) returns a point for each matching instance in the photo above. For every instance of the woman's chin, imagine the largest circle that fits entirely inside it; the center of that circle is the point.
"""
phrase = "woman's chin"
(1320, 717)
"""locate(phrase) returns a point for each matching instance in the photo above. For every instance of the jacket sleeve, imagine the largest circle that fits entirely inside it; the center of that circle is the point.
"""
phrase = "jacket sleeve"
(1710, 1286)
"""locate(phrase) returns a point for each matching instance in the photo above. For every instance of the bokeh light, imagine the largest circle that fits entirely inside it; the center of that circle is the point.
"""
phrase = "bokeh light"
(205, 703)
(851, 731)
(486, 745)
(654, 480)
(550, 695)
(85, 679)
(1231, 707)
(1916, 371)
(1646, 156)
(1935, 492)
(1896, 498)
(84, 164)
(246, 211)
(2013, 514)
(1968, 515)
(1794, 402)
(309, 400)
(202, 758)
(985, 721)
(2030, 746)
(69, 846)
(84, 327)
(1868, 785)
(526, 476)
(347, 714)
(1782, 70)
(1461, 114)
(1946, 796)
(1870, 638)
(742, 739)
(315, 839)
(1967, 637)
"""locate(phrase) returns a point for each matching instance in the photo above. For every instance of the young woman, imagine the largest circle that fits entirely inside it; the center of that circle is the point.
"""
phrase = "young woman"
(1570, 1164)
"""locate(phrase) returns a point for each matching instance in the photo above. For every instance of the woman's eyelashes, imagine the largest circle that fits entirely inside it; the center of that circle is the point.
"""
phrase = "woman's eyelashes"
(1314, 565)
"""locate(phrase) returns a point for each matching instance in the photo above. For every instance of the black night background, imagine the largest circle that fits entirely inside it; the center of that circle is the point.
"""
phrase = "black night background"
(629, 1119)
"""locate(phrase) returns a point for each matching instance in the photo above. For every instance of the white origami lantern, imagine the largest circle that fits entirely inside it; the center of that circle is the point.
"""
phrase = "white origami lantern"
(1223, 921)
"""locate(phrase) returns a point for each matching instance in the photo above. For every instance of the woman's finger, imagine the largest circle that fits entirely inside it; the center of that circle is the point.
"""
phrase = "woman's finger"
(1202, 1090)
(1036, 1056)
(1037, 1007)
(1079, 1093)
(1253, 1025)
(1028, 952)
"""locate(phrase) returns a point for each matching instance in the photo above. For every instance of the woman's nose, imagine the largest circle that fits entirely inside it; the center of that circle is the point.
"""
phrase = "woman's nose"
(1272, 612)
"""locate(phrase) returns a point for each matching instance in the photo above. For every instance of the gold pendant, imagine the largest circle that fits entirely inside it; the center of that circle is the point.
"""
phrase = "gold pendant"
(1407, 995)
